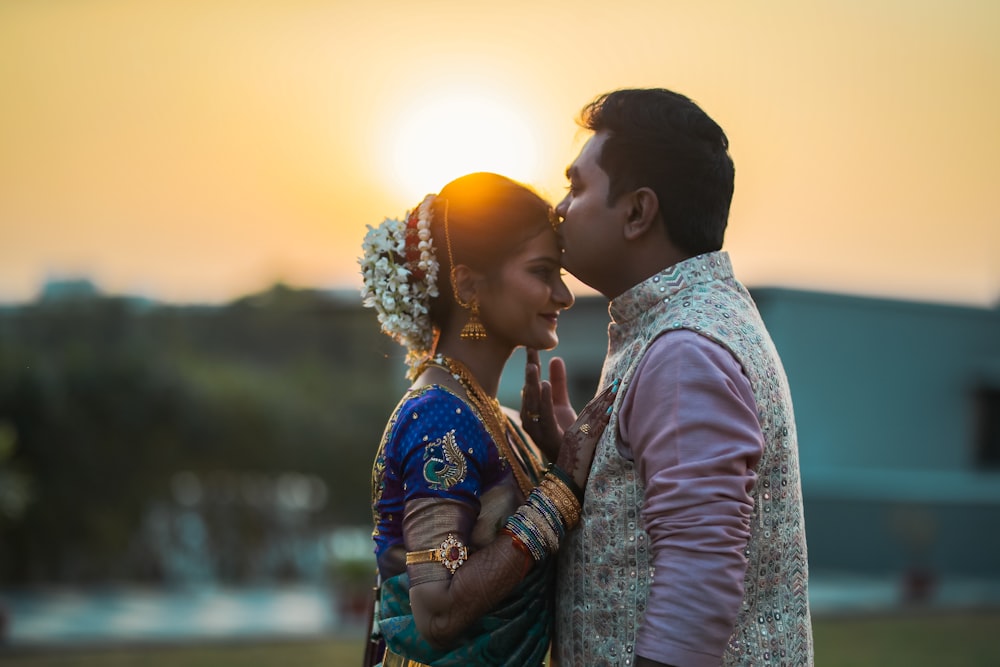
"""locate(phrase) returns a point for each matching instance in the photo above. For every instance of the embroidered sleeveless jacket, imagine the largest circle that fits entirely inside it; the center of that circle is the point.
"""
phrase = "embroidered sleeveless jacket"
(605, 565)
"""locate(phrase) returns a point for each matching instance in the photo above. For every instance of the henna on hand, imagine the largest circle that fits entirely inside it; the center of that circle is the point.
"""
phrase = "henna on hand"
(580, 441)
(443, 610)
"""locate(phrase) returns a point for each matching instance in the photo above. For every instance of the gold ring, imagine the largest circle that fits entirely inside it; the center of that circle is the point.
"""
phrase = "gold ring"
(534, 416)
(585, 429)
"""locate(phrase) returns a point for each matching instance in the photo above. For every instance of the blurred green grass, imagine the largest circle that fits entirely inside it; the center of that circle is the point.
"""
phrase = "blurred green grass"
(913, 640)
(917, 640)
(304, 653)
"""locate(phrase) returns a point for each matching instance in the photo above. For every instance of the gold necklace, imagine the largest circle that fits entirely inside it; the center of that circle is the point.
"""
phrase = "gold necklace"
(493, 418)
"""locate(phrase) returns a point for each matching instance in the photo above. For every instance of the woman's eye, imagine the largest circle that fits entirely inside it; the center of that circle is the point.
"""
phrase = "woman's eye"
(544, 272)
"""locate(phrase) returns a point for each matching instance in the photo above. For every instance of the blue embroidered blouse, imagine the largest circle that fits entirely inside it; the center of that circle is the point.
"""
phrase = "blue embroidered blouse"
(434, 446)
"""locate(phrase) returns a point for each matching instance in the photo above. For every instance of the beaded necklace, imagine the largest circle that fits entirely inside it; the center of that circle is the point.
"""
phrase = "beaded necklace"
(497, 424)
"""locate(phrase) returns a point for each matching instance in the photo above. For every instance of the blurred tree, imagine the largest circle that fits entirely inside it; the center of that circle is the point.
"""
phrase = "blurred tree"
(15, 485)
(109, 401)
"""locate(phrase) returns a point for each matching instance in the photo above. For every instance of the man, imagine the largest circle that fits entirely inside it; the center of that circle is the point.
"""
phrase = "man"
(691, 551)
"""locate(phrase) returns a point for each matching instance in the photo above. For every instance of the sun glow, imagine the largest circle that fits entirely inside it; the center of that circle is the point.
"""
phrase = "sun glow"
(445, 136)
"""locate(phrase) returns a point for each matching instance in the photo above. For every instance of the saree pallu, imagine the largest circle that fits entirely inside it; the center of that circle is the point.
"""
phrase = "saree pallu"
(514, 634)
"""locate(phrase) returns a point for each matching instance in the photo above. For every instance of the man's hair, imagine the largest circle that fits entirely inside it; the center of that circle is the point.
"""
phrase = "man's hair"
(659, 139)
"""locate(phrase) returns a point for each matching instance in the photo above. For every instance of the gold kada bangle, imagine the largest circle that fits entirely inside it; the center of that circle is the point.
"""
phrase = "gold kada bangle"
(451, 554)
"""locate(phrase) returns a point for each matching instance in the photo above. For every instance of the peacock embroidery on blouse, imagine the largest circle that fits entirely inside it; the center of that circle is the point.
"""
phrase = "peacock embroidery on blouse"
(448, 469)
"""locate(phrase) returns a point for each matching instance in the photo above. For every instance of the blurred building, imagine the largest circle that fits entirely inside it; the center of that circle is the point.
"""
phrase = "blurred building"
(898, 412)
(69, 289)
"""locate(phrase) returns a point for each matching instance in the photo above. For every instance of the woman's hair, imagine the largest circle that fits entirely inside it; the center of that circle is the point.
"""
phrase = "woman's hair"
(662, 140)
(488, 218)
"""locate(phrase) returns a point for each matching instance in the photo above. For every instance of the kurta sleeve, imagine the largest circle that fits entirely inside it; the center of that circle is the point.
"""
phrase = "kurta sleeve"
(689, 422)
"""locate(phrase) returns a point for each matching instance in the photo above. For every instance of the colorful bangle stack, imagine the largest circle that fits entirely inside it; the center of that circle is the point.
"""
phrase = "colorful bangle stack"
(540, 524)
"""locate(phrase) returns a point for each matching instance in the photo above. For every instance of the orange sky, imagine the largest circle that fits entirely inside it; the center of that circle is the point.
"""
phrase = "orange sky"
(195, 150)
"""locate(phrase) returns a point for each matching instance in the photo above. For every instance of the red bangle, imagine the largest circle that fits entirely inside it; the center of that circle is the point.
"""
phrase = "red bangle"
(520, 546)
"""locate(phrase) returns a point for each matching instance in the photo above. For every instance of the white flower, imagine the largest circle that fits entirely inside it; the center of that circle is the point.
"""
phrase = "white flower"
(399, 289)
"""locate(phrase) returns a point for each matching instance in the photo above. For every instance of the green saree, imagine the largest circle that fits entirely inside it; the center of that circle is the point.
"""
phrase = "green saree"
(515, 634)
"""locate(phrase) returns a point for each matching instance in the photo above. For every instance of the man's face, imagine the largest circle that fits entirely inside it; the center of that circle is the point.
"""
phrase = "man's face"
(591, 230)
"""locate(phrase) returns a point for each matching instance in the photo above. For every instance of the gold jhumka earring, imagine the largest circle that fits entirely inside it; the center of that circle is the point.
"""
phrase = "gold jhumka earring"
(473, 329)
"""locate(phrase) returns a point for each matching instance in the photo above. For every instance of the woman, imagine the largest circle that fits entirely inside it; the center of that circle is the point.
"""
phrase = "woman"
(466, 510)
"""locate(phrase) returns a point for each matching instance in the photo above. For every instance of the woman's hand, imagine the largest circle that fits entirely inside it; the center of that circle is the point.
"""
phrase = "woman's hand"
(546, 412)
(580, 440)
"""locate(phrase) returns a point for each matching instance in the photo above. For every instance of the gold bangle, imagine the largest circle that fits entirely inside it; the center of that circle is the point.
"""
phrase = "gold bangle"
(560, 487)
(451, 554)
(565, 501)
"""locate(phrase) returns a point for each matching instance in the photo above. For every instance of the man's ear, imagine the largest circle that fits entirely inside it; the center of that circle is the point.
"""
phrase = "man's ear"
(643, 213)
(466, 283)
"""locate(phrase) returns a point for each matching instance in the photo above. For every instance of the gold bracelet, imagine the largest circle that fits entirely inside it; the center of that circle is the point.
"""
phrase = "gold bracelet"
(451, 554)
(563, 490)
(564, 500)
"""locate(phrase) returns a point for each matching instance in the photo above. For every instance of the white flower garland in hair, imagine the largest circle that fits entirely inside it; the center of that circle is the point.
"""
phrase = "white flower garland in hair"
(400, 279)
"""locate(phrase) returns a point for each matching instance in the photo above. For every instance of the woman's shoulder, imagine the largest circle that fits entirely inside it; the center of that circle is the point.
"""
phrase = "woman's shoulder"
(430, 396)
(434, 408)
(430, 416)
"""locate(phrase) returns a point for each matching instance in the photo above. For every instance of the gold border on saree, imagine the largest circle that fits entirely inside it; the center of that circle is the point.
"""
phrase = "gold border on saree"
(392, 659)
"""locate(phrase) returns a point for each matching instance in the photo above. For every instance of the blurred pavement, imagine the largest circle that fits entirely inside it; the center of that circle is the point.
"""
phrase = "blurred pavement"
(71, 616)
(54, 617)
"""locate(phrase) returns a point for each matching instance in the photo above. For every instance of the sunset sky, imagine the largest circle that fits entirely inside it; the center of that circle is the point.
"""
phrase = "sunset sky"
(197, 150)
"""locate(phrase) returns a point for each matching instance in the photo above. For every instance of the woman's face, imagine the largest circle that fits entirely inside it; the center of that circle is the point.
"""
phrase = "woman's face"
(522, 299)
